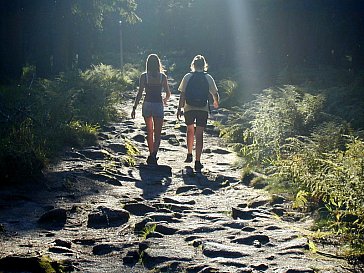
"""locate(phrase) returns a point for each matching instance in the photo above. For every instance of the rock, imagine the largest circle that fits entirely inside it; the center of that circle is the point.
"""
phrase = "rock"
(59, 249)
(299, 243)
(104, 249)
(104, 178)
(257, 204)
(150, 171)
(157, 252)
(257, 244)
(208, 228)
(237, 224)
(186, 189)
(154, 235)
(249, 240)
(108, 128)
(172, 139)
(207, 191)
(139, 209)
(106, 217)
(63, 243)
(179, 201)
(272, 228)
(103, 136)
(54, 218)
(214, 250)
(220, 151)
(84, 242)
(277, 199)
(278, 211)
(139, 138)
(158, 217)
(175, 207)
(117, 148)
(299, 270)
(139, 227)
(165, 229)
(131, 258)
(94, 154)
(242, 214)
(260, 267)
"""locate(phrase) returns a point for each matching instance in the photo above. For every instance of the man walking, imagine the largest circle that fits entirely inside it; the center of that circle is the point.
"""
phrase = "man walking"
(195, 88)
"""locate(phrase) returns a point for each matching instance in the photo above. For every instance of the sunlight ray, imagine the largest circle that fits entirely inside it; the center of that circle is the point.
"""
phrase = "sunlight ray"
(244, 41)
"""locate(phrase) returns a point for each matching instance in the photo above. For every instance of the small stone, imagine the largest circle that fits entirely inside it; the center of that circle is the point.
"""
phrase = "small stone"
(207, 191)
(106, 217)
(63, 243)
(139, 138)
(103, 249)
(257, 244)
(59, 249)
(139, 209)
(54, 217)
(252, 240)
(242, 214)
(185, 189)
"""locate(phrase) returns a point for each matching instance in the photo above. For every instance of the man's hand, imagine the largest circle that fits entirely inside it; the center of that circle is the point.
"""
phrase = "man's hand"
(179, 113)
(216, 104)
(133, 113)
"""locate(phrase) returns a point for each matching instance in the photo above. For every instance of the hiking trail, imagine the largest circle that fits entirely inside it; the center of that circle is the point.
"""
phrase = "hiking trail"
(95, 213)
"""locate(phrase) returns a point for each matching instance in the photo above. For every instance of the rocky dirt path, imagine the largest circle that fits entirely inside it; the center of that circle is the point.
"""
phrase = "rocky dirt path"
(95, 213)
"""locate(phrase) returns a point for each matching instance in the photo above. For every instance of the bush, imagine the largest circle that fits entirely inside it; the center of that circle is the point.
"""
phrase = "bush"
(266, 122)
(40, 121)
(333, 176)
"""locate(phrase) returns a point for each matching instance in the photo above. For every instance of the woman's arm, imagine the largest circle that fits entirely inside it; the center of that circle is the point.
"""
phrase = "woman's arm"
(166, 89)
(139, 95)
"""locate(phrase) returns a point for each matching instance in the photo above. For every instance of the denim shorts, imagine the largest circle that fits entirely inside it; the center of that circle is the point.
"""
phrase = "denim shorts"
(152, 109)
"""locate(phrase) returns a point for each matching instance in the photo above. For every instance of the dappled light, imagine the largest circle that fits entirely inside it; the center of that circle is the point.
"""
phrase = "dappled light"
(182, 136)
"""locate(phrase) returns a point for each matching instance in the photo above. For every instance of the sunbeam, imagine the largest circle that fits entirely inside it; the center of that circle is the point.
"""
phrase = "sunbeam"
(244, 43)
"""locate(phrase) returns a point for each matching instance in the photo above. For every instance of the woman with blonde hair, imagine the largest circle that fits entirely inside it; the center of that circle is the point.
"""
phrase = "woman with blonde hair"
(195, 88)
(153, 81)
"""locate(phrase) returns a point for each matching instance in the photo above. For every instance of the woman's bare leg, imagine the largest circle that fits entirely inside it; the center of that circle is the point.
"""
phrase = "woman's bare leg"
(150, 133)
(158, 123)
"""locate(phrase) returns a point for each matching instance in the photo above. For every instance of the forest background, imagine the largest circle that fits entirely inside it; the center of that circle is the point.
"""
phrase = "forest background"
(290, 71)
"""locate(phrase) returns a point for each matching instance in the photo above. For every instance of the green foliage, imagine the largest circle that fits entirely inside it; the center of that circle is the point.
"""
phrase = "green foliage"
(148, 230)
(311, 155)
(39, 122)
(266, 122)
(335, 177)
(94, 11)
(227, 91)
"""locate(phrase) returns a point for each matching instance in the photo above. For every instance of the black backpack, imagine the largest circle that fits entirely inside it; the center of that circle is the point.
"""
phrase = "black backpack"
(197, 90)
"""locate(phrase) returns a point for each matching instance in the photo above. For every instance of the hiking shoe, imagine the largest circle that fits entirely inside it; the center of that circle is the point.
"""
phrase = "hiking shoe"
(188, 158)
(152, 160)
(198, 166)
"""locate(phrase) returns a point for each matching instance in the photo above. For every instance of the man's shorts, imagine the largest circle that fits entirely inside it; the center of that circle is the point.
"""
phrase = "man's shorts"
(152, 109)
(196, 116)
